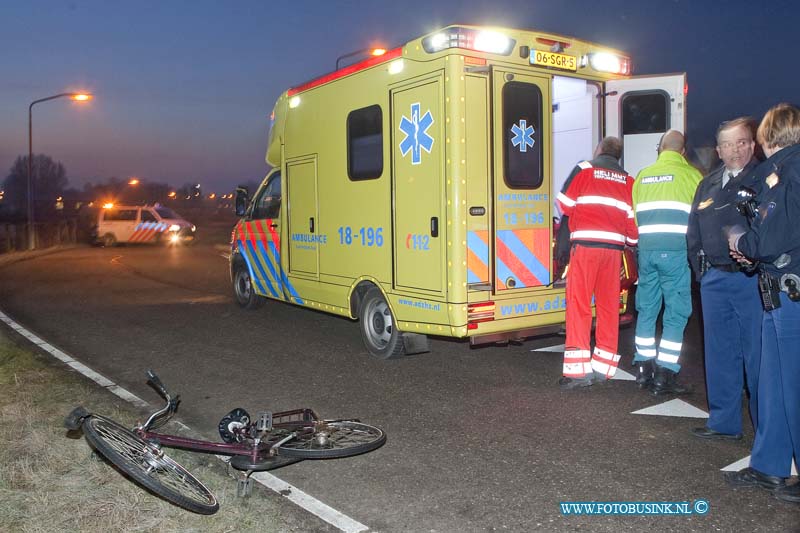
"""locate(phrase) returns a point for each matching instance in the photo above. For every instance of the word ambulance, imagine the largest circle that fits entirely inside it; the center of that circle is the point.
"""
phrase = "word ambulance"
(414, 190)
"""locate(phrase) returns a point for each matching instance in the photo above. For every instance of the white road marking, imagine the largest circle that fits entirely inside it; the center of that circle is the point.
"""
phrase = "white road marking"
(309, 503)
(623, 376)
(744, 463)
(556, 348)
(675, 407)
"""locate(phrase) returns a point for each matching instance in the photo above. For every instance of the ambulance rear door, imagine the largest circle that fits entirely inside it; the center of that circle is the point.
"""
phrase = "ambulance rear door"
(639, 110)
(521, 236)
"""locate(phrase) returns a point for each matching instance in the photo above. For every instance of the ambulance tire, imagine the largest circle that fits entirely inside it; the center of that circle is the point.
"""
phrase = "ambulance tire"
(378, 327)
(243, 289)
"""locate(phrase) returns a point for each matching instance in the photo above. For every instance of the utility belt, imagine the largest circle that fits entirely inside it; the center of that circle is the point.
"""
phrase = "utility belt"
(770, 287)
(706, 265)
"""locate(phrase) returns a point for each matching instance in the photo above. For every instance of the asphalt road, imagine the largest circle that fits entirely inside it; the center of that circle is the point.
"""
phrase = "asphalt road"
(478, 438)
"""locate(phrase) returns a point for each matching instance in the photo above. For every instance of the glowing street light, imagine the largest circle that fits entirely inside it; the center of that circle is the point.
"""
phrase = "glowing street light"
(133, 181)
(78, 97)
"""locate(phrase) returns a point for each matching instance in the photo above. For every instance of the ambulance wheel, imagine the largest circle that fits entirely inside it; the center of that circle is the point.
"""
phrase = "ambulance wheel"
(378, 327)
(243, 289)
(109, 240)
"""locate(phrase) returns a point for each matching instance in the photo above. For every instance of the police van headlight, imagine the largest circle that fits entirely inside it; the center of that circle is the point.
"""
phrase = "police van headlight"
(491, 42)
(174, 227)
(194, 228)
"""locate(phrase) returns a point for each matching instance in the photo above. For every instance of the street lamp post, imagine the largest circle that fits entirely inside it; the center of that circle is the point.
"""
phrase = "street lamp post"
(80, 97)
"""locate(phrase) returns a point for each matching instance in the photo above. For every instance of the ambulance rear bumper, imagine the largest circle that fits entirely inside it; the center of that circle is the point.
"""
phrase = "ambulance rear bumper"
(505, 336)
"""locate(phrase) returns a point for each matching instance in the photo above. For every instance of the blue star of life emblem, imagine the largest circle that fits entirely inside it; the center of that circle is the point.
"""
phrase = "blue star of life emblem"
(523, 135)
(416, 131)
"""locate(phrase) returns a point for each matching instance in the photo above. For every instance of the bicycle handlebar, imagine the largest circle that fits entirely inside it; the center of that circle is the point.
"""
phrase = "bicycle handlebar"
(168, 409)
(154, 380)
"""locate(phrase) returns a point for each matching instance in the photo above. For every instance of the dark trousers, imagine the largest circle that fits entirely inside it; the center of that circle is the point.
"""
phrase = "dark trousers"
(732, 330)
(778, 432)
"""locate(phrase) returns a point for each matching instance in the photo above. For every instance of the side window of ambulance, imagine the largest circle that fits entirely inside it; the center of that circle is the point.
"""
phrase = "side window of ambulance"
(645, 113)
(147, 216)
(365, 143)
(522, 135)
(268, 203)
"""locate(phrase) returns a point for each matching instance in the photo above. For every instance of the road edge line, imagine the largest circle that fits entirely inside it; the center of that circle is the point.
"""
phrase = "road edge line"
(300, 498)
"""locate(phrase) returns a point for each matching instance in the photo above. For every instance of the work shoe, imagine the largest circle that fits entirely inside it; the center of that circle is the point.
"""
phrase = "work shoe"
(708, 433)
(644, 373)
(574, 383)
(666, 382)
(788, 493)
(750, 477)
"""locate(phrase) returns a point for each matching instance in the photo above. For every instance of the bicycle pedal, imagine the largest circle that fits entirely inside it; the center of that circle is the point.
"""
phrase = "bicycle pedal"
(244, 487)
(264, 422)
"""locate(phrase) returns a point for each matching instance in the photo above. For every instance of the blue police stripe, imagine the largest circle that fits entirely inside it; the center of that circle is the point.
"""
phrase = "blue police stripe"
(249, 262)
(254, 256)
(524, 254)
(270, 266)
(284, 279)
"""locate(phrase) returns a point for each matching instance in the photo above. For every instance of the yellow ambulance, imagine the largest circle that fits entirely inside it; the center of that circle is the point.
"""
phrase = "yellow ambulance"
(414, 190)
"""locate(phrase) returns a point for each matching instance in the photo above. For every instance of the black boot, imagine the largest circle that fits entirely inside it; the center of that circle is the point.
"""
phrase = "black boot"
(644, 373)
(666, 382)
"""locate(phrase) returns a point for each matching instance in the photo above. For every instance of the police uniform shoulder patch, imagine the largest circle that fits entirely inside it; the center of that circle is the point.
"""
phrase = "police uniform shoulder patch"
(705, 203)
(772, 180)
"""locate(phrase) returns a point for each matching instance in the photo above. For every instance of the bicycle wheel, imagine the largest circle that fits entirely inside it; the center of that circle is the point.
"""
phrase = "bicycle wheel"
(331, 439)
(148, 466)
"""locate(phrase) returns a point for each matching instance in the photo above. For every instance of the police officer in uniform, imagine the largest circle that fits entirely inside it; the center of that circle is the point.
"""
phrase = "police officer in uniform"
(774, 242)
(731, 306)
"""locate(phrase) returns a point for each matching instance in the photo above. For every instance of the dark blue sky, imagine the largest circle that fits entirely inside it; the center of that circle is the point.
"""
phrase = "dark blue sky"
(184, 88)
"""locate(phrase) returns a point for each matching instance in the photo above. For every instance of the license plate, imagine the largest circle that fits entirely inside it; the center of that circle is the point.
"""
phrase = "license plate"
(553, 60)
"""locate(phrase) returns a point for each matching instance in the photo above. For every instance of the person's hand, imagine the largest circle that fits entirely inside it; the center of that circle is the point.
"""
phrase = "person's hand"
(741, 259)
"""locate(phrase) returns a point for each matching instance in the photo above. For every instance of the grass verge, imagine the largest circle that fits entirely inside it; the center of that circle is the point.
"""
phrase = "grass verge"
(50, 481)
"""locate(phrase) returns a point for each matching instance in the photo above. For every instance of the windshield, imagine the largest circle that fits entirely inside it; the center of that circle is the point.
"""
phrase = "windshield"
(166, 212)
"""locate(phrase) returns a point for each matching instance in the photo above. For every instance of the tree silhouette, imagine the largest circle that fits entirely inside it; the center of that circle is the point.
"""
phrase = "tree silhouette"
(49, 182)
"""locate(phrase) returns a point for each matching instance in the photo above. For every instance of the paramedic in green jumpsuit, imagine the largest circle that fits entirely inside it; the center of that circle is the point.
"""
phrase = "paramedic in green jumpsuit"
(662, 198)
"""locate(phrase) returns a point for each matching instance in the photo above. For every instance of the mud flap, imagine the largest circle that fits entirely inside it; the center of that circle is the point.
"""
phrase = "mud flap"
(415, 343)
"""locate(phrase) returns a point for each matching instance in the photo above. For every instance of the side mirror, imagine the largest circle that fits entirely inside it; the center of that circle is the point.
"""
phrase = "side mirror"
(241, 201)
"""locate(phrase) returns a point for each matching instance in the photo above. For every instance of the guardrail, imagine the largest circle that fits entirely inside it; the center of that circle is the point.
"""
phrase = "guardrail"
(14, 237)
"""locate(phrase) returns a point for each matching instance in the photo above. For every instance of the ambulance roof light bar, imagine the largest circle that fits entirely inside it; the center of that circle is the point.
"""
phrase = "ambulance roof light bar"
(488, 41)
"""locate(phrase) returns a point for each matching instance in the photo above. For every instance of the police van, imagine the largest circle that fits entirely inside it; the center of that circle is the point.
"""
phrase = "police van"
(154, 224)
(414, 191)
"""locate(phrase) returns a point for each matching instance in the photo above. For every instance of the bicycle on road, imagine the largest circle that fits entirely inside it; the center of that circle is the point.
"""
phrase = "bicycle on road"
(269, 441)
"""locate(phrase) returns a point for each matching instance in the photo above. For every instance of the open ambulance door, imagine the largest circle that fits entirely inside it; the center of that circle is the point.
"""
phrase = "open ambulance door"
(640, 110)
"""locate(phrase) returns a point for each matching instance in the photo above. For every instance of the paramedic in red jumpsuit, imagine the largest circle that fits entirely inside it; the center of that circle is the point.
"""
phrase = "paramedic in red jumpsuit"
(597, 198)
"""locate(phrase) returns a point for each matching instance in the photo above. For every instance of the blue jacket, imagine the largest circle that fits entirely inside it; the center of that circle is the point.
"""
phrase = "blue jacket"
(776, 230)
(713, 213)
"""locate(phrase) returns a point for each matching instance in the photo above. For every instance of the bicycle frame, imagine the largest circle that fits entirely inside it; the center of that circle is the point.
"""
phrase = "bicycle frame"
(290, 421)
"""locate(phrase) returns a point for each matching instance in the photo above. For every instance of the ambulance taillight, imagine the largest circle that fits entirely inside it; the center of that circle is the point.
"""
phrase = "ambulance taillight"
(488, 41)
(479, 312)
